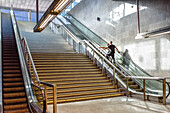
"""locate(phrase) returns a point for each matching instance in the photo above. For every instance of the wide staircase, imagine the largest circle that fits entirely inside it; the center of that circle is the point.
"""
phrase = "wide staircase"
(14, 96)
(77, 78)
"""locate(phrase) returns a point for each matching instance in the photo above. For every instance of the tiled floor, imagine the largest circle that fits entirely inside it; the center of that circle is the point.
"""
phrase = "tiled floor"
(113, 105)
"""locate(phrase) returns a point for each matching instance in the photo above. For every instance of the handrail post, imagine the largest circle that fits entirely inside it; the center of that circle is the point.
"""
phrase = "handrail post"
(127, 85)
(86, 49)
(102, 65)
(73, 46)
(164, 91)
(38, 94)
(79, 47)
(114, 79)
(93, 58)
(144, 90)
(54, 99)
(45, 88)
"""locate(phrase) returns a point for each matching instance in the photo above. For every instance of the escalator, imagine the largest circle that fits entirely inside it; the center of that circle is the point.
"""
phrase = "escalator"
(153, 87)
(14, 94)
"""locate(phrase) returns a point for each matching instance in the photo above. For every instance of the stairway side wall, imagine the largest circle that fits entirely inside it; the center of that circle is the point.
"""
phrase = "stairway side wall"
(118, 22)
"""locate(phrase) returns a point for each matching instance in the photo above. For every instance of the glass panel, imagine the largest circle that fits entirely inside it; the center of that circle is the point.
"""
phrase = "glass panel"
(71, 28)
(88, 33)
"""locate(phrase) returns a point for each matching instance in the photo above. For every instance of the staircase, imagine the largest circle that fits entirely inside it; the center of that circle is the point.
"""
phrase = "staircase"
(77, 78)
(14, 96)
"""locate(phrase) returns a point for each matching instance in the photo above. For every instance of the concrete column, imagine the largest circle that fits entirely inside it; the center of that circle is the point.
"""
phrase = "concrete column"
(138, 16)
(29, 15)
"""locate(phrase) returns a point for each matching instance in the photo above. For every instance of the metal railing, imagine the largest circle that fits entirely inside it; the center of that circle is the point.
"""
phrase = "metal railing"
(70, 20)
(87, 48)
(25, 73)
(44, 97)
(26, 64)
(30, 62)
(144, 89)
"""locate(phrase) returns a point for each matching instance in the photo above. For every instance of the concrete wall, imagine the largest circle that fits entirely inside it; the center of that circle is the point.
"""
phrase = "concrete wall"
(118, 22)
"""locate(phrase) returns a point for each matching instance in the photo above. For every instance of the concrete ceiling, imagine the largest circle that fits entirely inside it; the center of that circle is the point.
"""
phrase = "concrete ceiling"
(26, 4)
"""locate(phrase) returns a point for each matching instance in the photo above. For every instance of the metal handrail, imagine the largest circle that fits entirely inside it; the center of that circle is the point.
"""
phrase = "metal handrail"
(145, 78)
(134, 77)
(36, 75)
(22, 56)
(101, 39)
(149, 78)
(96, 45)
(115, 68)
(43, 92)
(131, 73)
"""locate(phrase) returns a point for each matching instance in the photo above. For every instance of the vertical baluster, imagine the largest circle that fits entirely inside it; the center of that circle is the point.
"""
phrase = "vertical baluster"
(93, 58)
(144, 90)
(54, 99)
(79, 47)
(102, 65)
(45, 89)
(73, 45)
(114, 80)
(164, 91)
(38, 94)
(86, 49)
(127, 85)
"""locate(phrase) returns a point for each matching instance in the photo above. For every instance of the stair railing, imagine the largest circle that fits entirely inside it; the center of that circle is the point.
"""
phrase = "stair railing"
(36, 80)
(86, 48)
(92, 37)
(26, 72)
(26, 79)
(105, 60)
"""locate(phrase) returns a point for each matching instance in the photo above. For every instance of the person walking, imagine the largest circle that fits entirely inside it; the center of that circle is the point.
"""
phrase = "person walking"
(112, 49)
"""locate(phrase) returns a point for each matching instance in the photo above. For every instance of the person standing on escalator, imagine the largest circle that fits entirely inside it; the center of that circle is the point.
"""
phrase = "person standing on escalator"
(126, 58)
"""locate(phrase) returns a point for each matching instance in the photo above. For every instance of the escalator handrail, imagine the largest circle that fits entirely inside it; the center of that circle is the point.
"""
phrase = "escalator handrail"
(24, 66)
(130, 74)
(109, 63)
(24, 71)
(147, 78)
(107, 42)
(103, 40)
